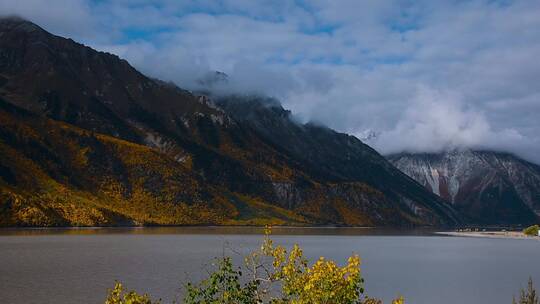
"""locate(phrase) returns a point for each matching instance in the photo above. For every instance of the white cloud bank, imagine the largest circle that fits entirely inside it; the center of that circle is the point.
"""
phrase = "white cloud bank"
(436, 121)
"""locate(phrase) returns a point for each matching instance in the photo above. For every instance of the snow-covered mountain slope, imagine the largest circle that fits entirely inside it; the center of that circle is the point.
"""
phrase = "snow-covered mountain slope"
(489, 187)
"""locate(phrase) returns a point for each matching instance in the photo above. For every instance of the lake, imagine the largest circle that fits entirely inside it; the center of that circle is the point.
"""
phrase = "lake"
(78, 265)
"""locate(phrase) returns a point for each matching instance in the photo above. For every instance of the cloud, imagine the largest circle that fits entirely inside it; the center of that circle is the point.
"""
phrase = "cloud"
(352, 65)
(436, 121)
(70, 18)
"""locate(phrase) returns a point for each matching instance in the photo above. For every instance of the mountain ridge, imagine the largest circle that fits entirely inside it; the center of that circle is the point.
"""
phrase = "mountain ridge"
(229, 158)
(490, 187)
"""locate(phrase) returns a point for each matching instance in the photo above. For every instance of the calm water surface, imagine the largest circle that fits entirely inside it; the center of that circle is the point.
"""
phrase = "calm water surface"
(77, 266)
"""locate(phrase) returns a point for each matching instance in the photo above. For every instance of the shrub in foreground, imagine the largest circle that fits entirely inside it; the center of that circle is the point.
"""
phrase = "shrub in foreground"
(117, 295)
(527, 296)
(272, 275)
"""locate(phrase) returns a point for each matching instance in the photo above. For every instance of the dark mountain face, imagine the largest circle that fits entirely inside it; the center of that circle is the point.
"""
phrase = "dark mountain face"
(74, 83)
(489, 187)
(243, 156)
(328, 155)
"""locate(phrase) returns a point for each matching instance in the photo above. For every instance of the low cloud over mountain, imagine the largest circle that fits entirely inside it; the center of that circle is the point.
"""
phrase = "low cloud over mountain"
(423, 74)
(437, 121)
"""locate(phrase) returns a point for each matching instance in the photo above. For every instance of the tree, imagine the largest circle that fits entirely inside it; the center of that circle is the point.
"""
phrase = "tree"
(528, 296)
(532, 230)
(118, 296)
(272, 275)
(276, 276)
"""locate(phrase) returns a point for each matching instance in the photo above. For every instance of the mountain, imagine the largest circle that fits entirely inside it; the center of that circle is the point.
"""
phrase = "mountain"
(86, 139)
(327, 155)
(489, 187)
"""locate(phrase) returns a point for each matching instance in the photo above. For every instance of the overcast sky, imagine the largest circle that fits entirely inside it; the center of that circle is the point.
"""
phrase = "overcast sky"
(423, 75)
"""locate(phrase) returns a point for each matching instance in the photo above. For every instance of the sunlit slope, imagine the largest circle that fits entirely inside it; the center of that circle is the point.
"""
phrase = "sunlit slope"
(55, 174)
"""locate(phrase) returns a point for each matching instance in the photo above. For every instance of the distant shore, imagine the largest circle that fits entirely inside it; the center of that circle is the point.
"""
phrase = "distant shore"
(491, 234)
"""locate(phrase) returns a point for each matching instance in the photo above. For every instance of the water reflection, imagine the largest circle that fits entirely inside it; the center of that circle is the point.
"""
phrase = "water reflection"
(221, 230)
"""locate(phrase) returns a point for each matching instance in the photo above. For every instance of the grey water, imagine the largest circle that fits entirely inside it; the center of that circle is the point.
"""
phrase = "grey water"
(78, 265)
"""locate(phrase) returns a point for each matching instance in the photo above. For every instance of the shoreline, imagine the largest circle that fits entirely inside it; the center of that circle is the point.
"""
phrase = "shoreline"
(278, 230)
(179, 226)
(491, 234)
(258, 230)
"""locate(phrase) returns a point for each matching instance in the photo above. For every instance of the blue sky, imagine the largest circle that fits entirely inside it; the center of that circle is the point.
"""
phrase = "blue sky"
(424, 75)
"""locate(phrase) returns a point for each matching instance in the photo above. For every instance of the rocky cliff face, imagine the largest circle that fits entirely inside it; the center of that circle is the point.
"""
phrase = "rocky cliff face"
(233, 168)
(489, 187)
